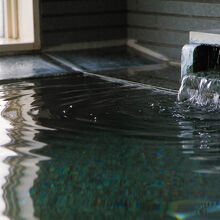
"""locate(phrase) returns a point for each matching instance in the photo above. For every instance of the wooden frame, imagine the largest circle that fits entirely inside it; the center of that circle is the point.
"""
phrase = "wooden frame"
(11, 19)
(22, 26)
(1, 19)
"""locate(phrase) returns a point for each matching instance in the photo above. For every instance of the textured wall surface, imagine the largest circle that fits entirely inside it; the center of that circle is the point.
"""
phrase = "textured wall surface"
(70, 21)
(164, 25)
(161, 25)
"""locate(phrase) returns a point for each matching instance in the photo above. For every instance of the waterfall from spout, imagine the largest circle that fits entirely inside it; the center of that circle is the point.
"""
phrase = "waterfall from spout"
(201, 88)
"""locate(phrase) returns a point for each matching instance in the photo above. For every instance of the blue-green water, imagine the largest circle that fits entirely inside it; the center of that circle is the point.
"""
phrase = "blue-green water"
(81, 147)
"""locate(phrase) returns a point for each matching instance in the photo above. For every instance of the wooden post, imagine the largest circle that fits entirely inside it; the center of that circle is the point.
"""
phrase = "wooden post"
(11, 19)
(14, 18)
(1, 19)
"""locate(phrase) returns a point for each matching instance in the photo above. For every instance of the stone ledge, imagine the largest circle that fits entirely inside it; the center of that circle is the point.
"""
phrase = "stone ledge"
(210, 37)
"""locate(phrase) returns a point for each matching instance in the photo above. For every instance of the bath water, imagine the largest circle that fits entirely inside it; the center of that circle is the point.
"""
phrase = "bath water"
(81, 147)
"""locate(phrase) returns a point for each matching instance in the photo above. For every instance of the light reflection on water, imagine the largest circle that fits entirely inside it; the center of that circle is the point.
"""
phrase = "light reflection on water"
(90, 148)
(18, 130)
(4, 154)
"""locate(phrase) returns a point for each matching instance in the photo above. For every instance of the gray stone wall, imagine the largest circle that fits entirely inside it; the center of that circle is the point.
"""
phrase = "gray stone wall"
(164, 25)
(70, 21)
(161, 25)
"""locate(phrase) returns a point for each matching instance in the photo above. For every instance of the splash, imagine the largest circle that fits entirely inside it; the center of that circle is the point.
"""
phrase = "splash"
(201, 88)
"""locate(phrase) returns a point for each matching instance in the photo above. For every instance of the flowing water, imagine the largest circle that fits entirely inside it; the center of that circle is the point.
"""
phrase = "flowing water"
(81, 147)
(202, 88)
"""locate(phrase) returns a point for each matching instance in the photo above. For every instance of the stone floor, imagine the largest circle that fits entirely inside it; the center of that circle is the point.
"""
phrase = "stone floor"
(118, 62)
(23, 66)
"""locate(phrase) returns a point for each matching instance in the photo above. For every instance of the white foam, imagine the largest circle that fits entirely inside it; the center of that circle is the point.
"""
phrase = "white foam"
(200, 90)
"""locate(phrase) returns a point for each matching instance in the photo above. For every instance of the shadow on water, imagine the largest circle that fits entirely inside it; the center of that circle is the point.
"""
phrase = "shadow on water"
(93, 149)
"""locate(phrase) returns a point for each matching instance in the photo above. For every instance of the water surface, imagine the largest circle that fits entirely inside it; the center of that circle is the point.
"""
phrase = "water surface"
(81, 147)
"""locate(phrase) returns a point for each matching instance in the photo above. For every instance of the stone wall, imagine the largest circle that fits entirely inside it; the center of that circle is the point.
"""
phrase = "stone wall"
(71, 21)
(164, 25)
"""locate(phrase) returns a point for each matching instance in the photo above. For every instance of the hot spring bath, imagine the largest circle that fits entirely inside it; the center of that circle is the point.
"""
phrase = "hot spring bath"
(80, 147)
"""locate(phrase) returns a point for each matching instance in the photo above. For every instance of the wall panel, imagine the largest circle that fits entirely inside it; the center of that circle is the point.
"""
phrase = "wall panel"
(71, 21)
(164, 25)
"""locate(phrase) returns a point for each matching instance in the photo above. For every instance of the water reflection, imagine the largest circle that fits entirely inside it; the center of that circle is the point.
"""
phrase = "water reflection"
(97, 149)
(199, 128)
(121, 150)
(5, 128)
(15, 107)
